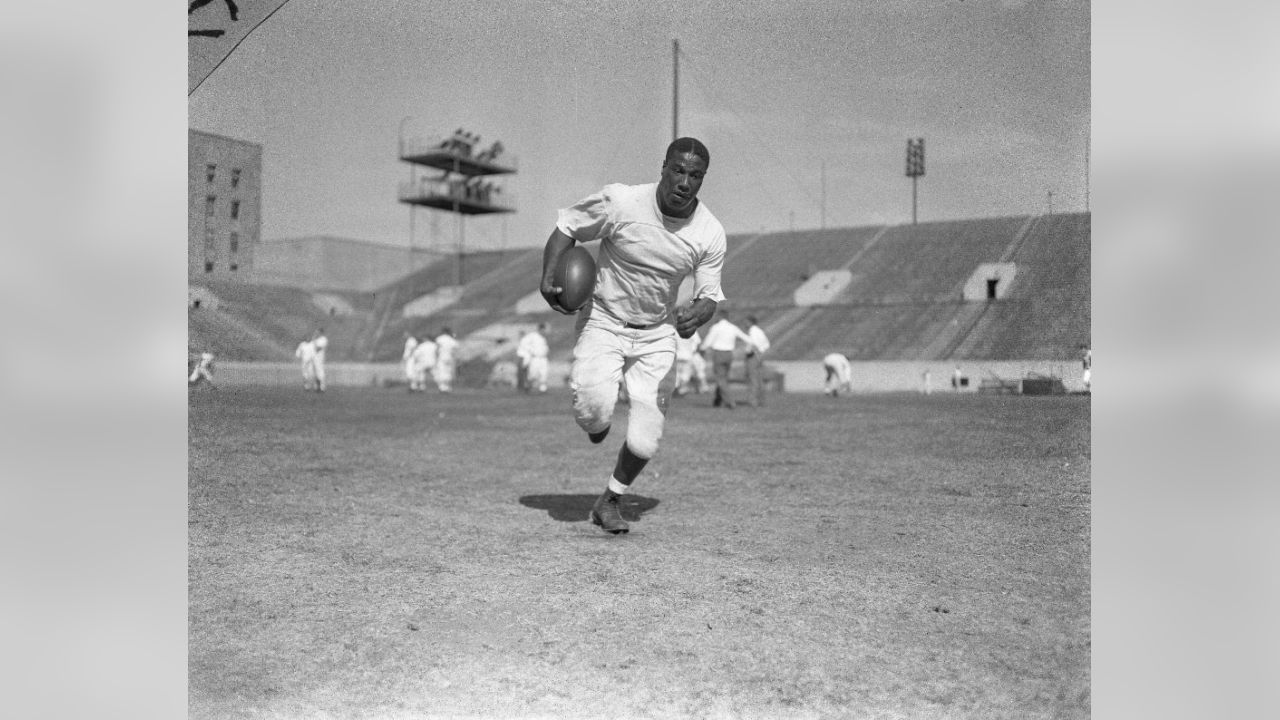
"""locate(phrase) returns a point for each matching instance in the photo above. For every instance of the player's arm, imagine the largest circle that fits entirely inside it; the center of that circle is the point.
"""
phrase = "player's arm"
(694, 315)
(557, 244)
(706, 290)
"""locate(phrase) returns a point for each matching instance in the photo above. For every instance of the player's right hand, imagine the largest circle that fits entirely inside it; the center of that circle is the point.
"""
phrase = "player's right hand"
(551, 293)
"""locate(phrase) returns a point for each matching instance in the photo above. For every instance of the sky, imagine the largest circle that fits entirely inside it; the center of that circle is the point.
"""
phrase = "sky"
(806, 108)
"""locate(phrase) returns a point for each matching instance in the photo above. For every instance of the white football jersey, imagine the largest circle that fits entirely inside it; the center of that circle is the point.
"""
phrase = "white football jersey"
(644, 254)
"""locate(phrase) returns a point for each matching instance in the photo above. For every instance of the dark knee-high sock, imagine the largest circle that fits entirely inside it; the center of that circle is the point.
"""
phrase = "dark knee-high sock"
(625, 470)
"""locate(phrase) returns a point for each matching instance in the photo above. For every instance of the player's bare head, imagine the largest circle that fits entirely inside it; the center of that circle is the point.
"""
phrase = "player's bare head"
(689, 145)
(683, 169)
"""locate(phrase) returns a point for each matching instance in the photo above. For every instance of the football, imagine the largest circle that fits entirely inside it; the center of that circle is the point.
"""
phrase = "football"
(576, 278)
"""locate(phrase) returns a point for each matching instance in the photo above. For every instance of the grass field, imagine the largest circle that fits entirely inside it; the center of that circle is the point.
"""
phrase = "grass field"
(370, 553)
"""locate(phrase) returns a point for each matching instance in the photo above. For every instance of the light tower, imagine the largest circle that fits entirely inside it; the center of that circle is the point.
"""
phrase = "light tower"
(462, 186)
(915, 169)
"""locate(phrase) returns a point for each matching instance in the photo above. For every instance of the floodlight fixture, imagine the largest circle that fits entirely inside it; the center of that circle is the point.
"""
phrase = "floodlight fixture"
(915, 169)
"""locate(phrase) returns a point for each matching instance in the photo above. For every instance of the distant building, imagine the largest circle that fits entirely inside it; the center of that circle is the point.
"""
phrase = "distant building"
(224, 206)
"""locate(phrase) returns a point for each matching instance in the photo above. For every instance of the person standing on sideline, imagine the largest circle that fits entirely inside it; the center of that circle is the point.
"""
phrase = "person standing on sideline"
(410, 343)
(321, 343)
(699, 364)
(686, 351)
(839, 374)
(1086, 363)
(651, 237)
(421, 362)
(522, 365)
(203, 370)
(533, 352)
(928, 382)
(446, 364)
(522, 361)
(955, 379)
(306, 354)
(755, 361)
(720, 341)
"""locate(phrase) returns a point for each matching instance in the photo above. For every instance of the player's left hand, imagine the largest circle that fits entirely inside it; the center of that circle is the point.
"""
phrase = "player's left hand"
(693, 316)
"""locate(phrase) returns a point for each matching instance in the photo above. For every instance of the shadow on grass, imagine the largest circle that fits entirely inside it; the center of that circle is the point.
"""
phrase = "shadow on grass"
(574, 508)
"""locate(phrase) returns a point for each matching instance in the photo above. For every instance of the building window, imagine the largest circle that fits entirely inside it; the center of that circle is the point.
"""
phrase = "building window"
(209, 202)
(210, 172)
(208, 267)
(235, 209)
(235, 178)
(235, 242)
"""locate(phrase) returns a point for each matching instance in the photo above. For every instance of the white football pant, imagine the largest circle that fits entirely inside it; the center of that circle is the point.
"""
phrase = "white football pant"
(643, 361)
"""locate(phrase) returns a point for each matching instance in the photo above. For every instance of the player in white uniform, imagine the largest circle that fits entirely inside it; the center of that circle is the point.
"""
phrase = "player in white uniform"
(533, 351)
(720, 342)
(445, 361)
(755, 362)
(651, 236)
(321, 343)
(410, 343)
(203, 370)
(306, 354)
(839, 374)
(422, 361)
(686, 351)
(1086, 365)
(699, 364)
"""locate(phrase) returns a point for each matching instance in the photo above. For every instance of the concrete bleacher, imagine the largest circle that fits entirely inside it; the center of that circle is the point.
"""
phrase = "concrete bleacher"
(383, 338)
(767, 271)
(485, 310)
(929, 261)
(1055, 256)
(903, 300)
(863, 331)
(230, 338)
(1047, 310)
(261, 321)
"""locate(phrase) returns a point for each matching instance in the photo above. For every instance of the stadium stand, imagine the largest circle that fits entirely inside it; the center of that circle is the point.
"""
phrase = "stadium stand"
(383, 338)
(929, 261)
(764, 272)
(231, 338)
(1047, 311)
(498, 280)
(269, 320)
(904, 299)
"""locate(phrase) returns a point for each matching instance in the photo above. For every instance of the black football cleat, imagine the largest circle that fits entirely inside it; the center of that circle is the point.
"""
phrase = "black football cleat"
(606, 514)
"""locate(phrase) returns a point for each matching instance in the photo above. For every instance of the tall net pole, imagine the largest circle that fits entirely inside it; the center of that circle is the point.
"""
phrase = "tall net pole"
(675, 89)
